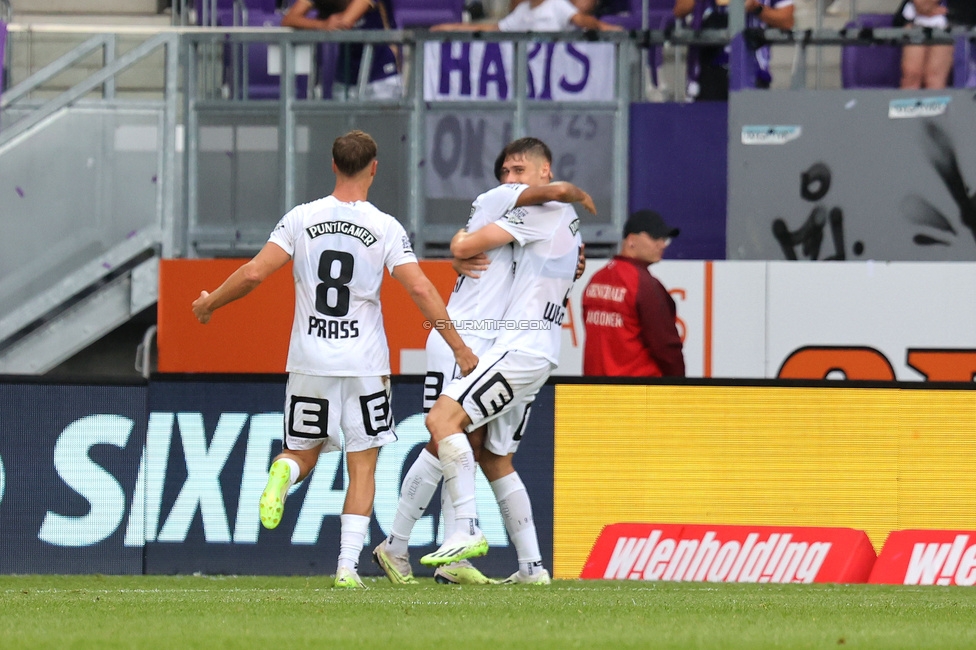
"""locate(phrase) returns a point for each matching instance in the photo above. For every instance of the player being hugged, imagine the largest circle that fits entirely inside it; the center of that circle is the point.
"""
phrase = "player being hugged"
(509, 375)
(477, 303)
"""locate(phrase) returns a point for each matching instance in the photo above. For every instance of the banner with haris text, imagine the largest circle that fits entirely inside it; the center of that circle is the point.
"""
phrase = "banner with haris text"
(484, 71)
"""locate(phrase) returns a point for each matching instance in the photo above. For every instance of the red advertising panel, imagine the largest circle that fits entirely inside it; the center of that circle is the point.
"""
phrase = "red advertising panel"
(927, 557)
(713, 553)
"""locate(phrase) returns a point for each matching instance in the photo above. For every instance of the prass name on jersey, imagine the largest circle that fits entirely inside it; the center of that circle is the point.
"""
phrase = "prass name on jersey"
(330, 328)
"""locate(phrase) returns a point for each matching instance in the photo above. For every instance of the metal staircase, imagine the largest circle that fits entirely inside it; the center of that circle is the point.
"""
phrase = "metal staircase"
(89, 188)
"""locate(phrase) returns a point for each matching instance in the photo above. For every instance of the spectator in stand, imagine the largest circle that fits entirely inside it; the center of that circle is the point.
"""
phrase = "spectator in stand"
(385, 81)
(628, 314)
(926, 66)
(535, 16)
(708, 67)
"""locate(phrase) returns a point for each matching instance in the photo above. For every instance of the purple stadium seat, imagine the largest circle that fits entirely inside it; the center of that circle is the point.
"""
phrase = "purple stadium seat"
(870, 66)
(226, 8)
(328, 56)
(628, 14)
(660, 14)
(260, 84)
(424, 13)
(964, 64)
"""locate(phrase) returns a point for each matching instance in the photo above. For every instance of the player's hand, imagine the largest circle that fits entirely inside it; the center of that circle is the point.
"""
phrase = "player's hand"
(200, 309)
(580, 263)
(466, 360)
(472, 267)
(587, 202)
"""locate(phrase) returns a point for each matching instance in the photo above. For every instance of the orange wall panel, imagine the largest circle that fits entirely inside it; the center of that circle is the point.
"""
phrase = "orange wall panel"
(251, 335)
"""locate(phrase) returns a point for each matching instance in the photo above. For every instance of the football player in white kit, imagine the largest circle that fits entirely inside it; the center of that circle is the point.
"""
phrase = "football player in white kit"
(477, 302)
(338, 357)
(510, 374)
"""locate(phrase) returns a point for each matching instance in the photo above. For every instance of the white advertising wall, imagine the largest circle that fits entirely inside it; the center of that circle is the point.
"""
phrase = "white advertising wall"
(746, 319)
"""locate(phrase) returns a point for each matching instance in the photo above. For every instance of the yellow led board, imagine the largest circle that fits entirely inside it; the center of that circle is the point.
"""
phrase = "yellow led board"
(875, 459)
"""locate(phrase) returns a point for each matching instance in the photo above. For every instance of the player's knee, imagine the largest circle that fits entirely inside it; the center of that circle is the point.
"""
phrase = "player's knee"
(437, 425)
(443, 419)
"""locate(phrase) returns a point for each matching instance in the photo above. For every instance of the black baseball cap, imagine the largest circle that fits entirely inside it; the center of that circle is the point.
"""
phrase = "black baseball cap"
(650, 222)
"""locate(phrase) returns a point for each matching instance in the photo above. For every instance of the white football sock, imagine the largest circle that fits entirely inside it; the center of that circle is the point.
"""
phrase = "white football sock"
(457, 462)
(447, 514)
(417, 490)
(351, 539)
(294, 471)
(513, 502)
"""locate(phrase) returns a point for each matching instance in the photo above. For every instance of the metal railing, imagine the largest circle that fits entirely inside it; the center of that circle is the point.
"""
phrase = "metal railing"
(205, 94)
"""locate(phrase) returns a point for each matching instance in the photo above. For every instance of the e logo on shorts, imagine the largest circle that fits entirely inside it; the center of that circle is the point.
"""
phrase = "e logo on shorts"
(493, 395)
(433, 386)
(308, 417)
(377, 416)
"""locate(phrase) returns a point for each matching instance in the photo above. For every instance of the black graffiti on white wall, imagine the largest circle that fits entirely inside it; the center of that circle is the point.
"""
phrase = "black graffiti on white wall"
(809, 237)
(942, 154)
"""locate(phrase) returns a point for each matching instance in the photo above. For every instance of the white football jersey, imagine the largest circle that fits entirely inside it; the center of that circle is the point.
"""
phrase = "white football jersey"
(338, 252)
(476, 301)
(545, 266)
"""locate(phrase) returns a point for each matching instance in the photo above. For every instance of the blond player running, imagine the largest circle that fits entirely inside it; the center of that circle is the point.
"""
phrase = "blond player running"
(338, 359)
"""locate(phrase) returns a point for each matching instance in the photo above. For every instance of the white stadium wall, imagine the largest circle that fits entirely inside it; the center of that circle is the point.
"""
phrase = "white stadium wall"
(746, 319)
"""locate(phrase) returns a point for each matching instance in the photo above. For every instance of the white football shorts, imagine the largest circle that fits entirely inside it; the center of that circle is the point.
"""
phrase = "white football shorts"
(316, 408)
(441, 366)
(500, 391)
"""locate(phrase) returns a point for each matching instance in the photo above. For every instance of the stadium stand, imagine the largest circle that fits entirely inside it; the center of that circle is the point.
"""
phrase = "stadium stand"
(875, 66)
(424, 13)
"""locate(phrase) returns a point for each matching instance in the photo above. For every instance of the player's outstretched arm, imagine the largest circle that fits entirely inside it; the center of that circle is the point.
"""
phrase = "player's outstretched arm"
(468, 244)
(561, 191)
(241, 282)
(425, 296)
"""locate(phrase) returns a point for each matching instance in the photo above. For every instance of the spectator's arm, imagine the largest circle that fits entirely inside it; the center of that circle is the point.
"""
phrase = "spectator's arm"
(683, 8)
(348, 18)
(775, 17)
(465, 27)
(583, 21)
(297, 17)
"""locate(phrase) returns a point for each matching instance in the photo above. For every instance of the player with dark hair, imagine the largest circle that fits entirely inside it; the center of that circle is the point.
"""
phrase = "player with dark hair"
(510, 373)
(477, 298)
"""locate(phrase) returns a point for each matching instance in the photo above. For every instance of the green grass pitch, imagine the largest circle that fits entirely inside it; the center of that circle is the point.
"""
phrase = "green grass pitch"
(298, 612)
